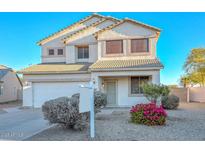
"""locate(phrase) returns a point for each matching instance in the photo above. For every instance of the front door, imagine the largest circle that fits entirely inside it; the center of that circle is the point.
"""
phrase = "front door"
(111, 92)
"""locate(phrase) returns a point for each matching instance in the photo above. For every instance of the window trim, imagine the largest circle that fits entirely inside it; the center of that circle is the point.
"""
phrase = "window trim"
(55, 52)
(85, 46)
(49, 52)
(140, 52)
(58, 51)
(114, 54)
(129, 86)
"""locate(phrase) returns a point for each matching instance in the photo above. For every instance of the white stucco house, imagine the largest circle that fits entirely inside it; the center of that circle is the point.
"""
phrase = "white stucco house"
(119, 55)
(10, 85)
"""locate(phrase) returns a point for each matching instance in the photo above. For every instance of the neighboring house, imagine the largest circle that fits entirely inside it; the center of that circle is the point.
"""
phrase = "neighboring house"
(119, 55)
(10, 85)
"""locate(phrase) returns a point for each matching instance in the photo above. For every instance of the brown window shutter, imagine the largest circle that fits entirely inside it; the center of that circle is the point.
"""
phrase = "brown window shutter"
(114, 47)
(139, 45)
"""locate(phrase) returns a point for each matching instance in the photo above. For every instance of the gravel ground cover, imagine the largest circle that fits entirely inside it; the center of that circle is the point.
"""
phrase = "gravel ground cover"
(186, 123)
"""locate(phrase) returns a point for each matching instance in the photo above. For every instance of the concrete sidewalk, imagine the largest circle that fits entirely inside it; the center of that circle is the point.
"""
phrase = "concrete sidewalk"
(19, 124)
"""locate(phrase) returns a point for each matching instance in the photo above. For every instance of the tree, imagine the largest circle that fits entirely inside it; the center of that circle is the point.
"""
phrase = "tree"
(185, 80)
(154, 92)
(195, 66)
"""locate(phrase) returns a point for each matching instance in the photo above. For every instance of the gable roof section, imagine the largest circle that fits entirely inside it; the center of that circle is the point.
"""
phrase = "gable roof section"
(128, 20)
(61, 32)
(4, 70)
(56, 68)
(125, 64)
(88, 27)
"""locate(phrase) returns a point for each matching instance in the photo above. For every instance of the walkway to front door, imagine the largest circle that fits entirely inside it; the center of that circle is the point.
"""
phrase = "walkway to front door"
(111, 88)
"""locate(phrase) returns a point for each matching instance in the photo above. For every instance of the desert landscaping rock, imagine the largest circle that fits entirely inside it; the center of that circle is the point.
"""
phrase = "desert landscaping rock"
(183, 124)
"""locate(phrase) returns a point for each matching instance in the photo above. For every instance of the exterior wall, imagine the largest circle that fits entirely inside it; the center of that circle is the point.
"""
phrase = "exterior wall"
(197, 94)
(46, 87)
(57, 43)
(123, 97)
(182, 93)
(11, 88)
(57, 78)
(71, 54)
(85, 38)
(126, 32)
(38, 93)
(27, 96)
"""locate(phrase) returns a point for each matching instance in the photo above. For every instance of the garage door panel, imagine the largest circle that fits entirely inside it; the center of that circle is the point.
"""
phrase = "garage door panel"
(47, 91)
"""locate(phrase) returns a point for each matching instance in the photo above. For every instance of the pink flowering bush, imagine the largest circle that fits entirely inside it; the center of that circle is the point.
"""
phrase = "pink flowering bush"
(148, 114)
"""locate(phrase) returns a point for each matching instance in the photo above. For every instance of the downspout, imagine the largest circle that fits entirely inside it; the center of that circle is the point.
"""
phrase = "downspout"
(32, 89)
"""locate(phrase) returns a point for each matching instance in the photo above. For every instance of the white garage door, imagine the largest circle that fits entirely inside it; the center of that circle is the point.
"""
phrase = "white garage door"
(45, 91)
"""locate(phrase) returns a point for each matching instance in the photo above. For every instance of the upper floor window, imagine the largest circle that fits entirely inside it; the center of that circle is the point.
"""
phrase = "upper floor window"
(83, 52)
(139, 45)
(114, 47)
(60, 51)
(137, 82)
(51, 52)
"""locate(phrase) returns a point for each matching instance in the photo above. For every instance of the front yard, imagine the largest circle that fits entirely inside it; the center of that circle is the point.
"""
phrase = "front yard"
(186, 123)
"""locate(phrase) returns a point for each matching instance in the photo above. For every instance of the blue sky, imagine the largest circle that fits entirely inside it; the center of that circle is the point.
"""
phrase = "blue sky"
(181, 32)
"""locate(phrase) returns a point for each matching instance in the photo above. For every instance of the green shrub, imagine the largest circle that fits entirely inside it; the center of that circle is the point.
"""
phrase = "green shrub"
(153, 91)
(170, 102)
(65, 111)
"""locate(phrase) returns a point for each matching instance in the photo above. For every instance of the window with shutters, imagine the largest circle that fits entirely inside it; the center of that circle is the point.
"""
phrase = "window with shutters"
(114, 47)
(139, 45)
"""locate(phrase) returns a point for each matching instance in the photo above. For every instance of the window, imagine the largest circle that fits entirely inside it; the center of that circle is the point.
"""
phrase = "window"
(51, 52)
(1, 89)
(137, 82)
(114, 47)
(60, 51)
(139, 45)
(83, 52)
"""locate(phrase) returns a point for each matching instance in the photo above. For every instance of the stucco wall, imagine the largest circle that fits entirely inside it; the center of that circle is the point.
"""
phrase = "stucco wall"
(58, 43)
(197, 94)
(61, 77)
(11, 87)
(126, 32)
(27, 96)
(123, 97)
(182, 93)
(41, 92)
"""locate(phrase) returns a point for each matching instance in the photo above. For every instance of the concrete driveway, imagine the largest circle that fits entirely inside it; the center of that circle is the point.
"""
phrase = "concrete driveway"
(19, 124)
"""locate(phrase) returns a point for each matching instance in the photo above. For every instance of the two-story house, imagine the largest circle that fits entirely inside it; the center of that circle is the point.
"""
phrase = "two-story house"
(119, 55)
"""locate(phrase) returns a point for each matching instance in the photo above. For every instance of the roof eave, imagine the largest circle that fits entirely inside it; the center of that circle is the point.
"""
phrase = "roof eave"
(125, 69)
(57, 72)
(42, 41)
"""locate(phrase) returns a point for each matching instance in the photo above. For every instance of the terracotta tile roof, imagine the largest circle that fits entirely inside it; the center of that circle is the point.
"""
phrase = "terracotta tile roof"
(126, 64)
(68, 27)
(56, 68)
(127, 20)
(90, 26)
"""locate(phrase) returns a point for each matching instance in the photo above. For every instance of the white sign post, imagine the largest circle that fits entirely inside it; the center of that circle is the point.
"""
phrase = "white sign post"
(87, 104)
